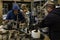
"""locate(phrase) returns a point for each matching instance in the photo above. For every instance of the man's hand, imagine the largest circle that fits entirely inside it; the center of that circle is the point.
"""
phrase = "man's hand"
(22, 23)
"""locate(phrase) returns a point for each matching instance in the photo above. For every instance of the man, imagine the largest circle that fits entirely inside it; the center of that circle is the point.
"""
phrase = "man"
(52, 20)
(15, 15)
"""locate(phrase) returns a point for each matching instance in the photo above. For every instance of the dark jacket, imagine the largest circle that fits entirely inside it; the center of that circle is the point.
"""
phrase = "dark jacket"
(12, 16)
(52, 21)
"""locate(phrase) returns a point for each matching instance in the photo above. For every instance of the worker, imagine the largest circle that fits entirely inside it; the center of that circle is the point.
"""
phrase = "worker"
(15, 14)
(25, 13)
(52, 21)
(25, 10)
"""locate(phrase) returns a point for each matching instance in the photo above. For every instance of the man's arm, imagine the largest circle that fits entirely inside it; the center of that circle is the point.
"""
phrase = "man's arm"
(47, 22)
(22, 18)
(8, 17)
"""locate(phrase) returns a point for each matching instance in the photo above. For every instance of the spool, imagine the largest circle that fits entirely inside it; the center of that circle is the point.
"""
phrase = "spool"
(35, 34)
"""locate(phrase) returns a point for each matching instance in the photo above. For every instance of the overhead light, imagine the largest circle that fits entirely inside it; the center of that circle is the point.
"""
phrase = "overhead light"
(52, 0)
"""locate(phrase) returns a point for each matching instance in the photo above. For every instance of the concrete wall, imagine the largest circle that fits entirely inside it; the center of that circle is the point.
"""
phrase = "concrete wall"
(0, 11)
(58, 1)
(16, 0)
(11, 0)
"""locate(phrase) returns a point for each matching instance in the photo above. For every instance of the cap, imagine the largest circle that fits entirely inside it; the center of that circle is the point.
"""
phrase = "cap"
(50, 4)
